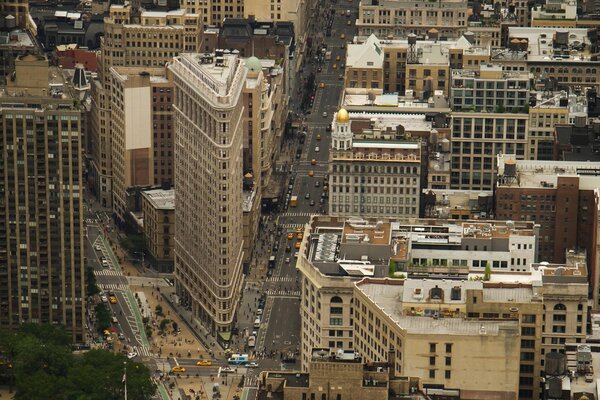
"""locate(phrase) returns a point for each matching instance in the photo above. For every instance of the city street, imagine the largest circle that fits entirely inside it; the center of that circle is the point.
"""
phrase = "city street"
(280, 322)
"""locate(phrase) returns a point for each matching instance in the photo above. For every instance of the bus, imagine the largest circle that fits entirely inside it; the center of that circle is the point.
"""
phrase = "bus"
(238, 359)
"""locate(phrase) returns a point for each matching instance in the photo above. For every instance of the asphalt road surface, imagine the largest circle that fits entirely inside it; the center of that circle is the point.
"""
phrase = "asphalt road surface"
(280, 324)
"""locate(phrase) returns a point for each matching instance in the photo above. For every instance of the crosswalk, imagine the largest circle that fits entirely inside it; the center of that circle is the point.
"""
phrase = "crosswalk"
(281, 279)
(297, 214)
(291, 226)
(142, 351)
(108, 272)
(251, 381)
(91, 221)
(114, 286)
(283, 293)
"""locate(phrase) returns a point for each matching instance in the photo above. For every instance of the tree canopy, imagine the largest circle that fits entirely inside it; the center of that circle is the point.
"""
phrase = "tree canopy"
(39, 362)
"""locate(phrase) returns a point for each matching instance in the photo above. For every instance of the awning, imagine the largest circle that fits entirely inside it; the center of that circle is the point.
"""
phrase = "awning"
(225, 336)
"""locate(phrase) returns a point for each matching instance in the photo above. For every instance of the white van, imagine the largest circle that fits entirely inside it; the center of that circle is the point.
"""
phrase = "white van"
(257, 323)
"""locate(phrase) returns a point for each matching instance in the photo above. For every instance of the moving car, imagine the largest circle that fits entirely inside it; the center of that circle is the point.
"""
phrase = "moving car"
(290, 235)
(113, 300)
(317, 183)
(104, 299)
(204, 363)
(298, 244)
(313, 162)
(252, 364)
(322, 85)
(299, 236)
(324, 114)
(311, 173)
(317, 149)
(133, 354)
(287, 260)
(312, 203)
(178, 368)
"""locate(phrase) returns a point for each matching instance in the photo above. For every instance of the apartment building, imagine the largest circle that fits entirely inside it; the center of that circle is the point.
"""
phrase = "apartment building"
(158, 208)
(565, 56)
(476, 138)
(142, 134)
(410, 66)
(214, 12)
(338, 375)
(374, 169)
(208, 176)
(41, 239)
(13, 44)
(398, 18)
(555, 14)
(489, 88)
(558, 195)
(133, 38)
(430, 323)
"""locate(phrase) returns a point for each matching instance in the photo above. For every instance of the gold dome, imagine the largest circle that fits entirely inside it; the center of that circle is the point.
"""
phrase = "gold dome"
(343, 116)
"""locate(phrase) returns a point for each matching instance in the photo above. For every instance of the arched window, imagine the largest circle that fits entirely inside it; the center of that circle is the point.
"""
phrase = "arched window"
(436, 293)
(560, 307)
(336, 299)
(579, 307)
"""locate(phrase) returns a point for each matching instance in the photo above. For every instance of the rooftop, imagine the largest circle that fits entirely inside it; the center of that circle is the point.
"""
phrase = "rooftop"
(16, 39)
(545, 174)
(161, 199)
(554, 44)
(388, 295)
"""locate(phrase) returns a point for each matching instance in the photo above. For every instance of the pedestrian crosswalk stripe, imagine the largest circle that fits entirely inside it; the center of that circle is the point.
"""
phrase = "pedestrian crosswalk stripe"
(293, 214)
(291, 226)
(251, 381)
(142, 351)
(288, 293)
(114, 286)
(281, 279)
(108, 272)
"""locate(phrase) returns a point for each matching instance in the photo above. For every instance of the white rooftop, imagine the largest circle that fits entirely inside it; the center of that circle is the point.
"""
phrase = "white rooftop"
(540, 43)
(365, 55)
(410, 122)
(161, 199)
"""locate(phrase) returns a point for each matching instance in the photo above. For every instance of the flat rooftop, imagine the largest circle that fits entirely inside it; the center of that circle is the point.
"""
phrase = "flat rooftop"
(161, 199)
(545, 174)
(386, 295)
(376, 234)
(15, 39)
(540, 45)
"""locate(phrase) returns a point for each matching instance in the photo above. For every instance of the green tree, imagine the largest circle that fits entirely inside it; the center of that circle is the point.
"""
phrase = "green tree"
(487, 273)
(163, 324)
(103, 316)
(158, 310)
(92, 286)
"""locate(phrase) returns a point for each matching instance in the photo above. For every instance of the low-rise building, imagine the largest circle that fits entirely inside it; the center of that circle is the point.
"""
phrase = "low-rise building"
(375, 168)
(559, 195)
(339, 375)
(158, 207)
(430, 323)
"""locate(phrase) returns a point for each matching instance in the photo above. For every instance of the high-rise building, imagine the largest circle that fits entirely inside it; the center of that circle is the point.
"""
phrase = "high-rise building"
(133, 38)
(142, 133)
(41, 192)
(208, 180)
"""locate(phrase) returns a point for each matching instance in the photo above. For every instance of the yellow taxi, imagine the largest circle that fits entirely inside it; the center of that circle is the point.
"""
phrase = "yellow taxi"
(313, 162)
(112, 299)
(337, 58)
(322, 85)
(342, 36)
(298, 244)
(334, 66)
(298, 230)
(178, 368)
(299, 236)
(311, 173)
(290, 236)
(204, 363)
(318, 136)
(348, 22)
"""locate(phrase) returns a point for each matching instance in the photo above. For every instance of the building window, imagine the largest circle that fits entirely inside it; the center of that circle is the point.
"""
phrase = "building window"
(432, 373)
(448, 361)
(432, 360)
(447, 374)
(432, 347)
(448, 347)
(455, 293)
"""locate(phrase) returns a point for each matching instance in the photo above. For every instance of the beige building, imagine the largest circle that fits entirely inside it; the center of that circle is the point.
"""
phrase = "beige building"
(208, 177)
(417, 68)
(141, 135)
(375, 170)
(158, 208)
(338, 375)
(42, 248)
(432, 323)
(398, 18)
(150, 39)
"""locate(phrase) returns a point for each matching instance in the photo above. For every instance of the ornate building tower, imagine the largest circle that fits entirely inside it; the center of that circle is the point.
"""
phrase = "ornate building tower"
(341, 135)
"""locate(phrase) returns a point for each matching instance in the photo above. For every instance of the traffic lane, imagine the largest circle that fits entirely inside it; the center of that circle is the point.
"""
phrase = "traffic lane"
(284, 326)
(126, 318)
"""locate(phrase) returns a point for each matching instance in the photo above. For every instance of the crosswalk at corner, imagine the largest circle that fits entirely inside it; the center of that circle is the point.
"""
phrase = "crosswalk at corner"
(283, 293)
(251, 381)
(142, 351)
(281, 279)
(107, 272)
(297, 214)
(114, 286)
